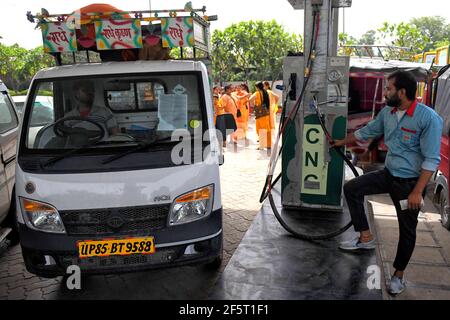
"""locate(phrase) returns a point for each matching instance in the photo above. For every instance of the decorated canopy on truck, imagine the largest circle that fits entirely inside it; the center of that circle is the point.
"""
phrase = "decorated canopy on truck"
(101, 27)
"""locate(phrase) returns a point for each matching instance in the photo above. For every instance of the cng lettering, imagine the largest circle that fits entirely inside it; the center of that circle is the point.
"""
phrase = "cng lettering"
(314, 166)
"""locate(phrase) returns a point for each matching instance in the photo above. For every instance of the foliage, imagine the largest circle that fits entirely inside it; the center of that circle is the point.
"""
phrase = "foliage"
(435, 28)
(346, 40)
(404, 35)
(252, 50)
(25, 92)
(19, 65)
(418, 35)
(368, 38)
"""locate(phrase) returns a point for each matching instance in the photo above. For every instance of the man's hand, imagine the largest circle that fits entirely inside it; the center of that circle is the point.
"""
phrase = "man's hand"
(415, 201)
(339, 143)
(415, 198)
(348, 140)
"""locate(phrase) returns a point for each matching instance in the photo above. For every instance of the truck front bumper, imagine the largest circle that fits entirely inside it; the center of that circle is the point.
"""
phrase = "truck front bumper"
(49, 255)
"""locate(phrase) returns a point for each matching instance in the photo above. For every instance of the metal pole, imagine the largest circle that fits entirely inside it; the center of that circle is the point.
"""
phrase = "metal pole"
(343, 20)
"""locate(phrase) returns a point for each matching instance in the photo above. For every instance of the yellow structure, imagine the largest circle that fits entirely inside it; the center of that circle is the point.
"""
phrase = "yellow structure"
(418, 58)
(443, 56)
(429, 56)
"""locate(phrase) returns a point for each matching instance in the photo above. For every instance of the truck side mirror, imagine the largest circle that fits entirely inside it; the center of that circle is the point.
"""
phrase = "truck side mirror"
(221, 159)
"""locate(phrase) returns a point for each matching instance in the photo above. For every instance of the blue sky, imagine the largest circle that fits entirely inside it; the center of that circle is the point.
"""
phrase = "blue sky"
(364, 14)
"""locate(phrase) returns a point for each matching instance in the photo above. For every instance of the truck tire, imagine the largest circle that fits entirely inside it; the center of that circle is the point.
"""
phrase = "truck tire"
(445, 218)
(11, 222)
(215, 264)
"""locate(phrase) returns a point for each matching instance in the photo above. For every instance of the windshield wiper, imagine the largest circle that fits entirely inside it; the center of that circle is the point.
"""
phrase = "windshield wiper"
(140, 147)
(82, 148)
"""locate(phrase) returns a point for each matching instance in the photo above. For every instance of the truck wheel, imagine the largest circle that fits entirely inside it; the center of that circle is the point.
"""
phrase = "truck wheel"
(445, 219)
(215, 264)
(11, 222)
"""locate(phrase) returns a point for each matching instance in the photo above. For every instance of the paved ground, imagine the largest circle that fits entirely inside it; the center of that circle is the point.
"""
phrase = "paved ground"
(270, 264)
(242, 178)
(428, 273)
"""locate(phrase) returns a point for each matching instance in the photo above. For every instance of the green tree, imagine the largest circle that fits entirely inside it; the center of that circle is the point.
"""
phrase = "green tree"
(18, 65)
(436, 30)
(404, 35)
(252, 50)
(11, 65)
(222, 60)
(346, 40)
(368, 38)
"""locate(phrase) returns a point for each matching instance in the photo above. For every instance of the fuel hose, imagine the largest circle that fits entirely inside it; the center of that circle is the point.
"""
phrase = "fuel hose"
(285, 123)
(284, 224)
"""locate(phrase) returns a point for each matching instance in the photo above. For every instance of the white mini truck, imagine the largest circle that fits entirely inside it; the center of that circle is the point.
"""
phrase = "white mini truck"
(134, 183)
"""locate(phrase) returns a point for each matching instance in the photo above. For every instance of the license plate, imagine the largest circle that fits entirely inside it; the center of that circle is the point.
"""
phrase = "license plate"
(110, 247)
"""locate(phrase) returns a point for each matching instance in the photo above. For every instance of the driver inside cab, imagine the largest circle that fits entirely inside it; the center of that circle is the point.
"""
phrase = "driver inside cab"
(84, 93)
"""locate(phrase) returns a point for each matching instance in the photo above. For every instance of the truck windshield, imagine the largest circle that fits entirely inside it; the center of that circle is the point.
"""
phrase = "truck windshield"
(86, 111)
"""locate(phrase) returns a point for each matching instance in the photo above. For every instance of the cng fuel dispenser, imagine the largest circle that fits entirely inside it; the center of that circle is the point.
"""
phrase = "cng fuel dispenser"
(312, 175)
(316, 92)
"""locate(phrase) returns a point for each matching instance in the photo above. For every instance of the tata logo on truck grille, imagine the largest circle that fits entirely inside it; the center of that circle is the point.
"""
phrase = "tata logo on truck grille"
(115, 222)
(161, 198)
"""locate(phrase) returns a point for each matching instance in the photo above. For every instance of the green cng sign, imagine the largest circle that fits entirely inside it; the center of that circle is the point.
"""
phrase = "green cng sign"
(314, 167)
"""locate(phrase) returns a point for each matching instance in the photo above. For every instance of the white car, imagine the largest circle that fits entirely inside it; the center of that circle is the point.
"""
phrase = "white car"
(108, 188)
(9, 129)
(19, 102)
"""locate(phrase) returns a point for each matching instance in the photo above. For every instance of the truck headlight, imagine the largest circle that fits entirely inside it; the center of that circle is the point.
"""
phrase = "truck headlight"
(42, 216)
(192, 206)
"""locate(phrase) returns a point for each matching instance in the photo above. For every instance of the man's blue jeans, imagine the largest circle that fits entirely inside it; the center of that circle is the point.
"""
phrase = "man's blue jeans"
(380, 182)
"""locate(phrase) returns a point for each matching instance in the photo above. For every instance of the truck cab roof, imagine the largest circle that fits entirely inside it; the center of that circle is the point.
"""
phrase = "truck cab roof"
(130, 67)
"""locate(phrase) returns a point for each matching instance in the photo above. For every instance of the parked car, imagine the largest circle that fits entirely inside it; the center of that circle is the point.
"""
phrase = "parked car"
(441, 95)
(9, 129)
(45, 101)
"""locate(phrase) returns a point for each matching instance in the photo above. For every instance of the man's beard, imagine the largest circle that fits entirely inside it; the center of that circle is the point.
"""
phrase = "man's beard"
(86, 99)
(393, 101)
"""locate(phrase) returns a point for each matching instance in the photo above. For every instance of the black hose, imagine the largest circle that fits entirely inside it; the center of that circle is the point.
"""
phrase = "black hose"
(267, 191)
(304, 236)
(286, 226)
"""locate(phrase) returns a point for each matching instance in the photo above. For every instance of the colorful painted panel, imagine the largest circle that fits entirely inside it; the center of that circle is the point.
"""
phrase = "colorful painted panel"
(177, 32)
(118, 34)
(59, 37)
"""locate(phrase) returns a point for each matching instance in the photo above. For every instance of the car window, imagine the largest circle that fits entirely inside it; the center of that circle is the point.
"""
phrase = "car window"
(8, 119)
(42, 111)
(119, 108)
(132, 96)
(41, 115)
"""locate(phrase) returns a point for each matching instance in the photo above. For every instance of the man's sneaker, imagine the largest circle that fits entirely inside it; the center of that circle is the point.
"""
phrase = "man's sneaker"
(357, 245)
(396, 286)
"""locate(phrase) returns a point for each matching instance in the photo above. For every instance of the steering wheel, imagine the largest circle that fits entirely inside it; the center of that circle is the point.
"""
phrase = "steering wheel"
(64, 131)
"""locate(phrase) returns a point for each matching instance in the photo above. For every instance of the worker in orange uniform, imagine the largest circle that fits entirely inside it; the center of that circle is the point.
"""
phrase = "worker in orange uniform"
(229, 106)
(241, 96)
(273, 104)
(261, 101)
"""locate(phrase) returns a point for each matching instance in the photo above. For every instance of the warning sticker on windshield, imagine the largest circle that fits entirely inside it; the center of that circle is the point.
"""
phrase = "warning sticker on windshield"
(179, 89)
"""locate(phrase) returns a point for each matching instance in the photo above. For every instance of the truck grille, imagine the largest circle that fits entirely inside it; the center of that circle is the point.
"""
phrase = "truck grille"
(115, 221)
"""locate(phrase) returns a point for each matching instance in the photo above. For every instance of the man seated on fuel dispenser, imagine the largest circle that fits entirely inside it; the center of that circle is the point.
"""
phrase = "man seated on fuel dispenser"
(84, 93)
(412, 132)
